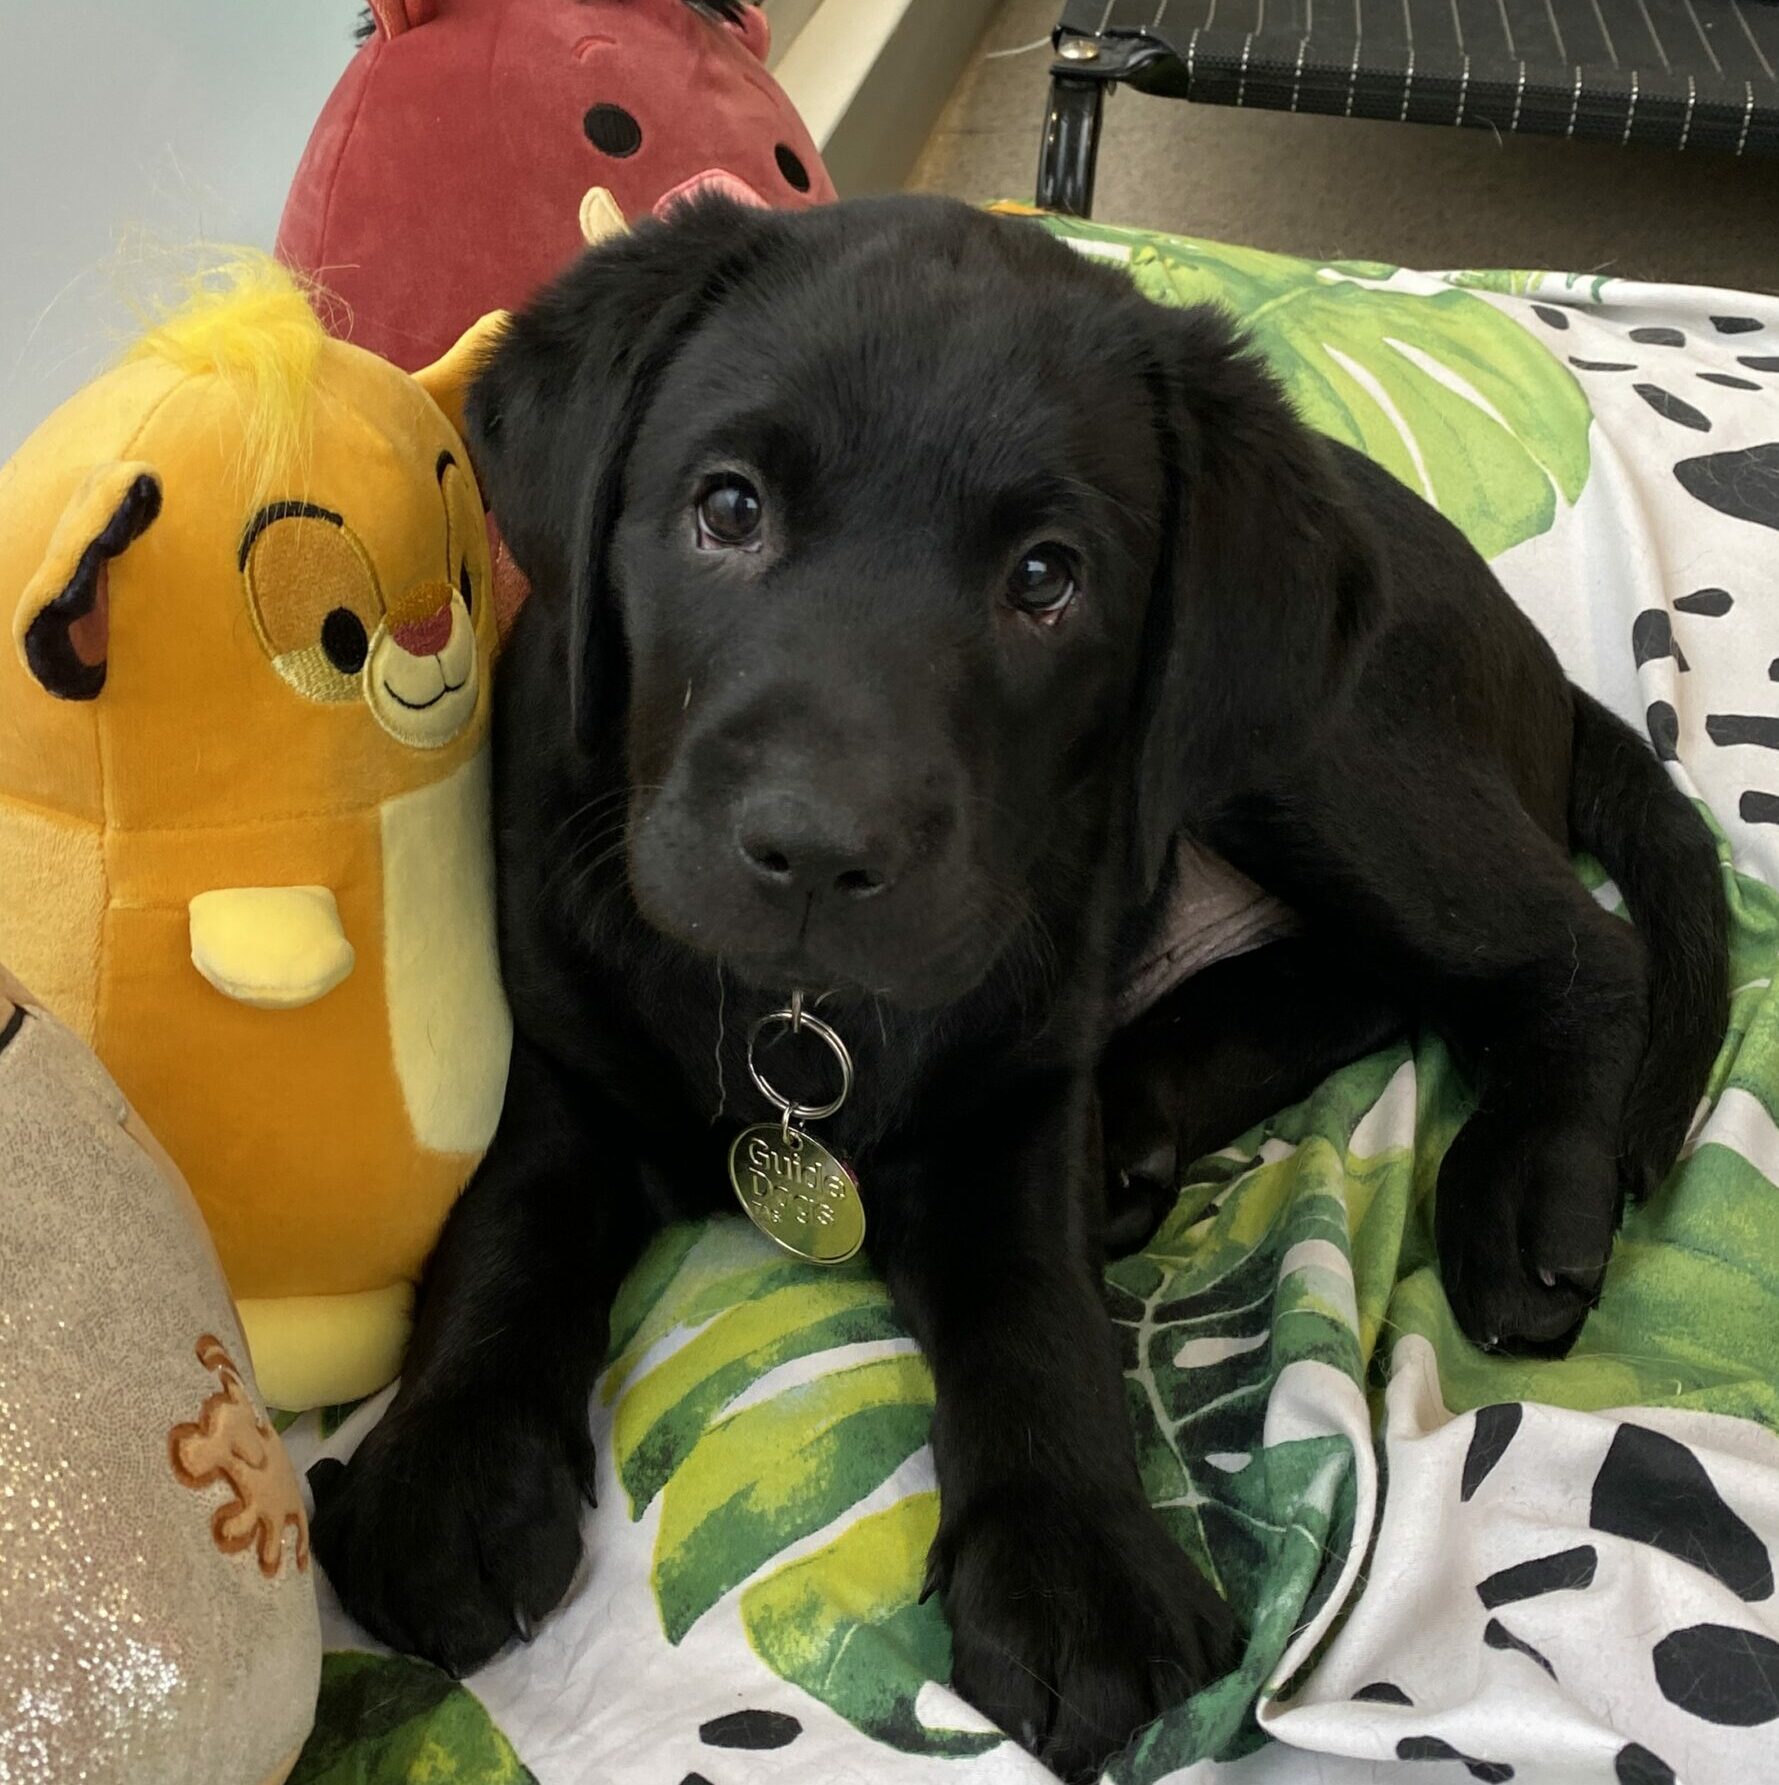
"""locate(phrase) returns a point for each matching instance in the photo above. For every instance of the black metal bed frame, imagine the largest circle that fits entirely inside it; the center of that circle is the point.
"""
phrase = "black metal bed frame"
(1677, 74)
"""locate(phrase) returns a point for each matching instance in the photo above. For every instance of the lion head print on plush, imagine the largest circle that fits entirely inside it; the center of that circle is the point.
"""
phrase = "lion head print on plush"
(244, 797)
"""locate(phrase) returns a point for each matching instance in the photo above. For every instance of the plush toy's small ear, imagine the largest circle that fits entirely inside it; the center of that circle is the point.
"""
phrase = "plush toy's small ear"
(396, 16)
(756, 30)
(62, 626)
(447, 380)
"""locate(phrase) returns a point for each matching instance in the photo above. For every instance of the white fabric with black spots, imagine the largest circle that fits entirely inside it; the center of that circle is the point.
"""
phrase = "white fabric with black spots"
(1660, 587)
(1552, 1597)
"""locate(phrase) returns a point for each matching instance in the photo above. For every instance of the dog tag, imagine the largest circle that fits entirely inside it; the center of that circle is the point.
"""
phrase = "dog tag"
(797, 1193)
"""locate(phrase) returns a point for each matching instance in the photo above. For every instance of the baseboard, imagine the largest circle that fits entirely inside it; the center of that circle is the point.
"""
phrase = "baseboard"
(870, 78)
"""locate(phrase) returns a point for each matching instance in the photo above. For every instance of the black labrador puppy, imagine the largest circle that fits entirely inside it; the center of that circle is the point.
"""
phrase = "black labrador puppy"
(912, 601)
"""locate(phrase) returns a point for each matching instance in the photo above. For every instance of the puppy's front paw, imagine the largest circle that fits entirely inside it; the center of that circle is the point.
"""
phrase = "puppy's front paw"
(455, 1526)
(1524, 1223)
(1074, 1624)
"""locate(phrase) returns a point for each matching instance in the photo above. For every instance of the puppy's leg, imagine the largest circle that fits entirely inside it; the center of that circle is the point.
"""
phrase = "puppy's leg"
(457, 1523)
(1233, 1045)
(1075, 1618)
(1433, 865)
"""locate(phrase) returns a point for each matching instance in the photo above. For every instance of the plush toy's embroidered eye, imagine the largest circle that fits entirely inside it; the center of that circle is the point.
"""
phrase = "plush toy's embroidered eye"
(729, 514)
(313, 596)
(344, 640)
(463, 523)
(790, 164)
(1043, 582)
(612, 131)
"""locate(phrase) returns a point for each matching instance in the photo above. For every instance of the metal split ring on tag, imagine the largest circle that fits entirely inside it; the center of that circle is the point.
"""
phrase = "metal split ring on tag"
(801, 1196)
(799, 1020)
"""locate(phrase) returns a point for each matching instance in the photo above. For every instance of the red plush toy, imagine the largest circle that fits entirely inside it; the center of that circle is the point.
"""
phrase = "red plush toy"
(473, 146)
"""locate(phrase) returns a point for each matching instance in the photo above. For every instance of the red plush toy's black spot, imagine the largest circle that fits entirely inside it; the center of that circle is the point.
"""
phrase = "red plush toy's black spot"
(790, 164)
(612, 131)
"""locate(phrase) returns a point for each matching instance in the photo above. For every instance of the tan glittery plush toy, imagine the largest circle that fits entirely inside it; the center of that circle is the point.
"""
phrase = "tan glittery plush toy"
(157, 1599)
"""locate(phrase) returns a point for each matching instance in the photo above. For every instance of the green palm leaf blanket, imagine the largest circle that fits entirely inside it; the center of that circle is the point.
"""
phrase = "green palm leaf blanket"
(1449, 1565)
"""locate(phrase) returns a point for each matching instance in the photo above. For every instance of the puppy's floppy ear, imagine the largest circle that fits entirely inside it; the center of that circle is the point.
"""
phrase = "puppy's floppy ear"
(552, 417)
(1267, 590)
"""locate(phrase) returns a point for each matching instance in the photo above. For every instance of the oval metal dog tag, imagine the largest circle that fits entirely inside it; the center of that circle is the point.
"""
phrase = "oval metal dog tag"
(797, 1193)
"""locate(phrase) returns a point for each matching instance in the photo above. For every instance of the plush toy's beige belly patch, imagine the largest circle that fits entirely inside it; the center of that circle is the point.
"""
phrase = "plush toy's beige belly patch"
(440, 967)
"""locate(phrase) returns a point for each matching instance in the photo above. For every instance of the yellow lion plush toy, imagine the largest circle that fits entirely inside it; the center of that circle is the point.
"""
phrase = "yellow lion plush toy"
(244, 829)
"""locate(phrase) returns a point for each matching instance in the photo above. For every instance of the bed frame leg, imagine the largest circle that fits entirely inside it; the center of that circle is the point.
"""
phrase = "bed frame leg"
(1070, 153)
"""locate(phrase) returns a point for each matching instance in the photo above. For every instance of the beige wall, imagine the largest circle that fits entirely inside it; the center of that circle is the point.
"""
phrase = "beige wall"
(788, 18)
(871, 78)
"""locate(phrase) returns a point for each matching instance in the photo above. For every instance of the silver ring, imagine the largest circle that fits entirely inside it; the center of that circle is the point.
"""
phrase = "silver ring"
(799, 1019)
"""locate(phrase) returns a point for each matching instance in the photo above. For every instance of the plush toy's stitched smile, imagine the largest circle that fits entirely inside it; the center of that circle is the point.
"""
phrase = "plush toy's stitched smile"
(420, 706)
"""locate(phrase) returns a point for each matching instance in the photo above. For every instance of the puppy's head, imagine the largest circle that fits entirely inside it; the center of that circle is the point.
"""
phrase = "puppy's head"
(929, 577)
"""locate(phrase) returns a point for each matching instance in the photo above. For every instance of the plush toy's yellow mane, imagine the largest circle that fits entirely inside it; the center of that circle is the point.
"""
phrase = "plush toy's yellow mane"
(249, 323)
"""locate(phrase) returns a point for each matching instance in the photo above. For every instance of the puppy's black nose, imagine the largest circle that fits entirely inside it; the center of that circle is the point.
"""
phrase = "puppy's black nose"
(802, 847)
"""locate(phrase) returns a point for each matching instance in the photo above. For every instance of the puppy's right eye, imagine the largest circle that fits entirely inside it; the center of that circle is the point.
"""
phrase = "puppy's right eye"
(1043, 583)
(729, 513)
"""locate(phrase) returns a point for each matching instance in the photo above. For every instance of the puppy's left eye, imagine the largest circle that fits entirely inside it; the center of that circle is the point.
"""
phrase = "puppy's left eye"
(729, 514)
(1043, 583)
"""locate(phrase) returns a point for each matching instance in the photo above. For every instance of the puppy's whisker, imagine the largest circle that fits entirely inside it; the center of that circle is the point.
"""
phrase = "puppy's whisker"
(722, 1032)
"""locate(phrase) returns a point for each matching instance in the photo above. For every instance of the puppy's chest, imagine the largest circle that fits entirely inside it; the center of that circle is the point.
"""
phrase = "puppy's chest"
(696, 1087)
(1208, 911)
